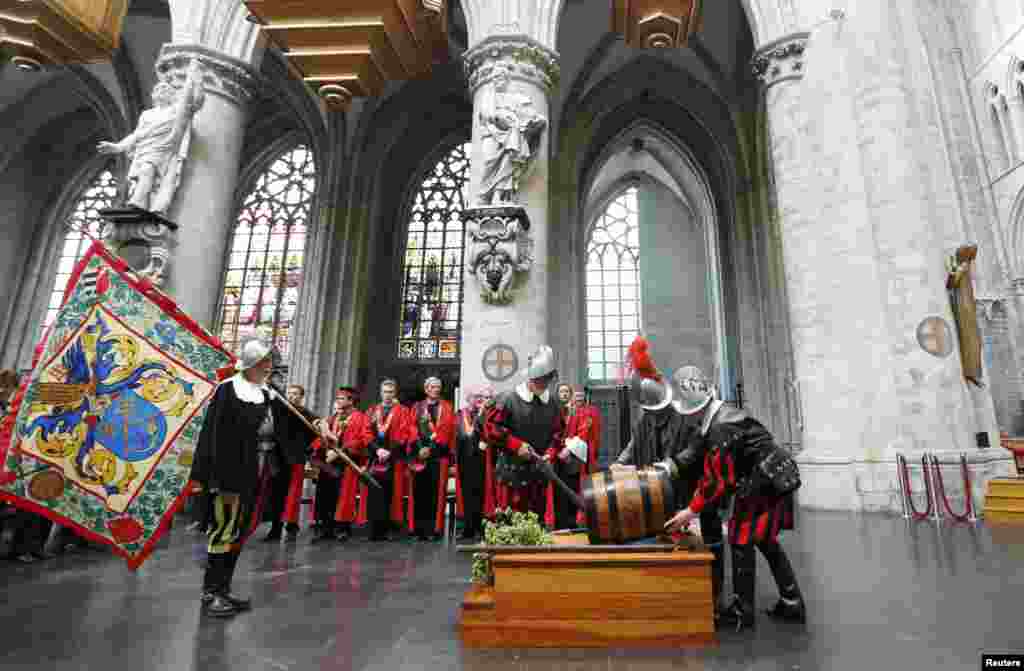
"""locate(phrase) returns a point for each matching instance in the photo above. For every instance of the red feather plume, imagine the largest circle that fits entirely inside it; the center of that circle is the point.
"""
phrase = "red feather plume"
(638, 360)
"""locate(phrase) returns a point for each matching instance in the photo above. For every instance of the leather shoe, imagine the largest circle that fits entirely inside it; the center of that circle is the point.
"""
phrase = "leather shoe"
(217, 605)
(734, 616)
(239, 603)
(788, 612)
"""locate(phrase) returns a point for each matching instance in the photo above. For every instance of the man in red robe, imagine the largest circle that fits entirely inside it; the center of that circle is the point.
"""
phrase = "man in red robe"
(431, 453)
(349, 430)
(393, 430)
(584, 424)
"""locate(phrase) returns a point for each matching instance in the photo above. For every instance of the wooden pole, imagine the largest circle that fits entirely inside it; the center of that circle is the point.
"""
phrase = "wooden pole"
(363, 475)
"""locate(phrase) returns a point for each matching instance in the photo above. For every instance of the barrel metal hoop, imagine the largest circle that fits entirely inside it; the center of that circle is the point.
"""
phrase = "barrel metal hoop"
(590, 509)
(645, 495)
(613, 511)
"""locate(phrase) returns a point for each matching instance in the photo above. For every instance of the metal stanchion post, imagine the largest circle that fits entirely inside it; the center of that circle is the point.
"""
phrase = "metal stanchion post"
(968, 489)
(931, 470)
(900, 474)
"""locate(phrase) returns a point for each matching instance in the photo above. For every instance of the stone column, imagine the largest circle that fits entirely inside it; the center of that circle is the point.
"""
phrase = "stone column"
(853, 169)
(522, 323)
(204, 207)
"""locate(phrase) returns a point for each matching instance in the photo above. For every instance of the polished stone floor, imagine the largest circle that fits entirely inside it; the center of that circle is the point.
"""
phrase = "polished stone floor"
(883, 596)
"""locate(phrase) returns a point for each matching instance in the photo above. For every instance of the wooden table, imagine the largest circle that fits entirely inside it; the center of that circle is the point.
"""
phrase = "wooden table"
(569, 595)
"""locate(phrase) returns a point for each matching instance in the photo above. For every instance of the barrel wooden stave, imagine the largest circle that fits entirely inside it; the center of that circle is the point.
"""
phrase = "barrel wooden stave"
(627, 505)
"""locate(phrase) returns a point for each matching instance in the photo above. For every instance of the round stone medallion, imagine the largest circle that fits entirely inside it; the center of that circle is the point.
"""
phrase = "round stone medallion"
(500, 362)
(935, 337)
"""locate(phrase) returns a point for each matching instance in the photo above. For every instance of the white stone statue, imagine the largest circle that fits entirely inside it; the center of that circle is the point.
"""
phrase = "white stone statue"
(159, 145)
(512, 129)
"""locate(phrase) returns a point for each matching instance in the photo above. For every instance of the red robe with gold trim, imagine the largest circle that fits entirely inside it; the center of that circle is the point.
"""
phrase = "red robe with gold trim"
(355, 438)
(443, 441)
(585, 424)
(399, 431)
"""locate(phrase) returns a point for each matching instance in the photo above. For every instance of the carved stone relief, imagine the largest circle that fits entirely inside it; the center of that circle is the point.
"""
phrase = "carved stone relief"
(499, 247)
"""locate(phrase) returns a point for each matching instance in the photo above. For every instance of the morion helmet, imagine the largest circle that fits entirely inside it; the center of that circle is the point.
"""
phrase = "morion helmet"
(647, 386)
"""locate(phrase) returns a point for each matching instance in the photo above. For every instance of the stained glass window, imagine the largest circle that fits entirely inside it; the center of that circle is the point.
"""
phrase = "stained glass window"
(84, 218)
(430, 322)
(264, 273)
(612, 286)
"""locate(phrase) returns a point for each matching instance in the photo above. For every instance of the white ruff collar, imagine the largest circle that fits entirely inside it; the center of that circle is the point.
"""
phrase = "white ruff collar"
(524, 393)
(247, 391)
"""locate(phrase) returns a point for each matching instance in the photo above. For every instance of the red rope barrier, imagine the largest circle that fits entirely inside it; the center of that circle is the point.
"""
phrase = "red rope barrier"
(905, 474)
(942, 490)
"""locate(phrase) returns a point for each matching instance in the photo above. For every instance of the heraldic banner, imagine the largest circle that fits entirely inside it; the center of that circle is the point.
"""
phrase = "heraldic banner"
(100, 436)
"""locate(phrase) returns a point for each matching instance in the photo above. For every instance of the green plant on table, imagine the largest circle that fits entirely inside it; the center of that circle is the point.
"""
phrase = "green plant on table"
(508, 528)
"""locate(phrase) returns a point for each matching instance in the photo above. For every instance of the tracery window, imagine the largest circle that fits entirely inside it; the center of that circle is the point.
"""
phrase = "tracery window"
(430, 323)
(264, 273)
(612, 286)
(84, 219)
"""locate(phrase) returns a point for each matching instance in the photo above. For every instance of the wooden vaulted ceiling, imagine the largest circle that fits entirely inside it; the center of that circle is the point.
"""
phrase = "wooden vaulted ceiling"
(56, 32)
(352, 48)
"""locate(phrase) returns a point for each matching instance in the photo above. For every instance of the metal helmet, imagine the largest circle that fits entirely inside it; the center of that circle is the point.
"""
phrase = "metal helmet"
(693, 388)
(650, 393)
(647, 386)
(540, 363)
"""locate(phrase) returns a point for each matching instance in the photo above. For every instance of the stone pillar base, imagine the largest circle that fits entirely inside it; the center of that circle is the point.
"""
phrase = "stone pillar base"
(839, 483)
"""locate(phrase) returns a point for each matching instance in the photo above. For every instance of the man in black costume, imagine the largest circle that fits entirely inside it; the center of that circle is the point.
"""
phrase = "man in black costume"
(233, 465)
(526, 424)
(741, 463)
(666, 437)
(472, 460)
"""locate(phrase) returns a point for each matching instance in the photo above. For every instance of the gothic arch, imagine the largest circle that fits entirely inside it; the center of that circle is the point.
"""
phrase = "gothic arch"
(672, 103)
(681, 175)
(1015, 224)
(390, 140)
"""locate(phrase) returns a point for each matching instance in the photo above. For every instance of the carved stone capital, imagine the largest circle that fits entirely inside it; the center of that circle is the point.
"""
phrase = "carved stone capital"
(143, 238)
(499, 248)
(523, 58)
(224, 76)
(780, 60)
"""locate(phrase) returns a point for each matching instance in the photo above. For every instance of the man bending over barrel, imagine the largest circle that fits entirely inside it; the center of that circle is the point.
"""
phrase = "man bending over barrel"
(525, 424)
(742, 462)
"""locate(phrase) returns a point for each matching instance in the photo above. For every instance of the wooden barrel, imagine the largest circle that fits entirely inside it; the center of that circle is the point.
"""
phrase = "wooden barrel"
(627, 505)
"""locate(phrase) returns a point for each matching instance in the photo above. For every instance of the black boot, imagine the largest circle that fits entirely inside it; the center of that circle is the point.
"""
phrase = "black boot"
(291, 533)
(739, 614)
(790, 607)
(275, 533)
(214, 603)
(239, 603)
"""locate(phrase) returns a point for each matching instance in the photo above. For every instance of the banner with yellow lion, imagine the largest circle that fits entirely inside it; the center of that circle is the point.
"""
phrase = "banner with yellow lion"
(100, 436)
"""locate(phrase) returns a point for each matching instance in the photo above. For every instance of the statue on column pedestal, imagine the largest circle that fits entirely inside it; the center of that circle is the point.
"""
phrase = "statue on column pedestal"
(158, 149)
(512, 132)
(159, 145)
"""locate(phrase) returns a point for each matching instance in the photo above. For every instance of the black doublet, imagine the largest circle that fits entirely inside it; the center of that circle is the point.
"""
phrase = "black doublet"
(533, 422)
